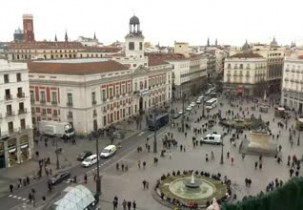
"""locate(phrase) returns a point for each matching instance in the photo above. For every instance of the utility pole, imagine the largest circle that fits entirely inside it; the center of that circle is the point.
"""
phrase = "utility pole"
(98, 181)
(222, 161)
(203, 113)
(183, 111)
(298, 143)
(155, 133)
(57, 154)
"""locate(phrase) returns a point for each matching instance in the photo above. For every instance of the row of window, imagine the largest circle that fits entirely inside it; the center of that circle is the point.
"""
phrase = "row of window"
(241, 66)
(12, 129)
(8, 96)
(7, 79)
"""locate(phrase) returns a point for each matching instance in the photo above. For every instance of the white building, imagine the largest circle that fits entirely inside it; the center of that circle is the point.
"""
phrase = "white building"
(16, 136)
(95, 93)
(292, 84)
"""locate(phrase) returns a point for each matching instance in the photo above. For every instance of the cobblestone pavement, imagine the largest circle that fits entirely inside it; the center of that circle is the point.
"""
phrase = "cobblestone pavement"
(128, 185)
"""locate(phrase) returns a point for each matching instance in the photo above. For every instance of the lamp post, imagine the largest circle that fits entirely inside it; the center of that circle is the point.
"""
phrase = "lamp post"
(155, 133)
(203, 113)
(298, 143)
(222, 161)
(98, 181)
(183, 110)
(57, 155)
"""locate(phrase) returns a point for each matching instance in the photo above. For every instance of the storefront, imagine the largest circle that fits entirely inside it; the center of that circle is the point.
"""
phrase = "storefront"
(24, 147)
(2, 155)
(12, 158)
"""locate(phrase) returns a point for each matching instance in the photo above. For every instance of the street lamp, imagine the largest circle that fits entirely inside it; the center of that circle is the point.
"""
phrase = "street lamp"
(98, 181)
(57, 154)
(298, 143)
(221, 162)
(183, 110)
(155, 133)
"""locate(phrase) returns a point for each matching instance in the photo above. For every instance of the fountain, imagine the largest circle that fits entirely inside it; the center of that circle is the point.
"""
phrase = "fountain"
(192, 188)
(192, 183)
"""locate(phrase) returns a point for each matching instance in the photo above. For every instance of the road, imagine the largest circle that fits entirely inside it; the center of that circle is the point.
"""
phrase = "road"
(21, 195)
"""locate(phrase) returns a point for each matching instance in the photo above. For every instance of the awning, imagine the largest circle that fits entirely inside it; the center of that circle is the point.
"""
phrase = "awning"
(24, 146)
(12, 150)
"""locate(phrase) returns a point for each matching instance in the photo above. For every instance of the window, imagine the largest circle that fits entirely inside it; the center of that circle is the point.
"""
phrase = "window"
(43, 97)
(20, 94)
(22, 124)
(6, 78)
(69, 99)
(141, 45)
(9, 110)
(103, 95)
(32, 96)
(110, 92)
(21, 108)
(94, 98)
(10, 126)
(131, 46)
(54, 97)
(8, 94)
(18, 77)
(117, 91)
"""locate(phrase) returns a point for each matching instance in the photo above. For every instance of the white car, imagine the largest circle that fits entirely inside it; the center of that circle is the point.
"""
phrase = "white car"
(180, 112)
(108, 151)
(89, 161)
(189, 108)
(193, 104)
(212, 139)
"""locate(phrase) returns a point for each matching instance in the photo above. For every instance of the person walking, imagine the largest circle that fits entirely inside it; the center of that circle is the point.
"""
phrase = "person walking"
(129, 205)
(232, 160)
(11, 188)
(260, 165)
(139, 164)
(134, 205)
(124, 203)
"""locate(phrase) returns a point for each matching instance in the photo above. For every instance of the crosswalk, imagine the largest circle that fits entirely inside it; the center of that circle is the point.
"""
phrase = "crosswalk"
(17, 197)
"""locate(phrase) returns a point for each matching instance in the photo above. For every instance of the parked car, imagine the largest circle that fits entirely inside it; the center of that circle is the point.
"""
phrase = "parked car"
(89, 161)
(84, 155)
(58, 178)
(108, 151)
(192, 104)
(176, 115)
(189, 108)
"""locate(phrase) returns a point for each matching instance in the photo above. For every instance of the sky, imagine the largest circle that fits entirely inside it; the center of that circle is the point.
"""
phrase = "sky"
(162, 21)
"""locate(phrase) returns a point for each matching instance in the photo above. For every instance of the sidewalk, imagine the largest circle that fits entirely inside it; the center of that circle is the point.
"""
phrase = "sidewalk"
(67, 159)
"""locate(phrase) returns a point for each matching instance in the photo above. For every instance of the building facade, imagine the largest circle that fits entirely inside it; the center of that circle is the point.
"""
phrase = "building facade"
(16, 136)
(292, 84)
(245, 74)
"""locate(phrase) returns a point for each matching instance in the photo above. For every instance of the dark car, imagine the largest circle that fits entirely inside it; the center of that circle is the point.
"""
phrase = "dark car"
(84, 155)
(58, 178)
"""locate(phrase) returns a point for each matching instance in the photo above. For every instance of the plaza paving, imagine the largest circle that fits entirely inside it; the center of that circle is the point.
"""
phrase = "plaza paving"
(128, 185)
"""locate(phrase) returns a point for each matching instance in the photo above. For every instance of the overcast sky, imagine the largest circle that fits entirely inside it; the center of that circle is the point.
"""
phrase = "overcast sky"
(164, 21)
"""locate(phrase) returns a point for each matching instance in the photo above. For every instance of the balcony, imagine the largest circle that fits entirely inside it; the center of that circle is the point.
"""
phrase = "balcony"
(104, 99)
(70, 116)
(55, 116)
(43, 102)
(12, 131)
(32, 101)
(8, 97)
(10, 113)
(95, 114)
(22, 111)
(54, 103)
(94, 102)
(70, 104)
(104, 110)
(21, 95)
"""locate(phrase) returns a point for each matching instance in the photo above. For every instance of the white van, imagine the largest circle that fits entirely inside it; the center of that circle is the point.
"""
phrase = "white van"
(108, 151)
(89, 161)
(212, 139)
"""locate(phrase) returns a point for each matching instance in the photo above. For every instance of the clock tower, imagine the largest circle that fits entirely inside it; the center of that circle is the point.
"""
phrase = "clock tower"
(28, 28)
(134, 40)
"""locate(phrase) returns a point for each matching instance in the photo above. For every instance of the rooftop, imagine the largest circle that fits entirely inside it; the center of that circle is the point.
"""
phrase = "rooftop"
(44, 45)
(246, 55)
(75, 67)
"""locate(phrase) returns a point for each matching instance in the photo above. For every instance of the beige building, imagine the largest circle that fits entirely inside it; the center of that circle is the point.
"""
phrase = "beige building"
(292, 84)
(245, 74)
(16, 136)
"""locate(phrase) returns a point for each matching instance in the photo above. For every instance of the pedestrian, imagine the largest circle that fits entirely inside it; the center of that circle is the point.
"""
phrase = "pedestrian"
(122, 166)
(144, 184)
(206, 158)
(124, 204)
(227, 155)
(144, 164)
(134, 205)
(126, 167)
(129, 205)
(27, 180)
(260, 165)
(181, 148)
(260, 158)
(147, 184)
(115, 204)
(232, 160)
(139, 164)
(85, 178)
(11, 188)
(30, 197)
(117, 166)
(212, 155)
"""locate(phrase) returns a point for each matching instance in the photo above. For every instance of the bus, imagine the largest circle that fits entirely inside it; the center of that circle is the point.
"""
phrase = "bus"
(211, 103)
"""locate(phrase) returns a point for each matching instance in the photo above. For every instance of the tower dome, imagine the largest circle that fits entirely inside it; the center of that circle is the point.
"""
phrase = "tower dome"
(134, 20)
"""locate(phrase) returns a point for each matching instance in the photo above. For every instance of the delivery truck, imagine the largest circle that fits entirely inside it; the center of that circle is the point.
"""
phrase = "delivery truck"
(53, 128)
